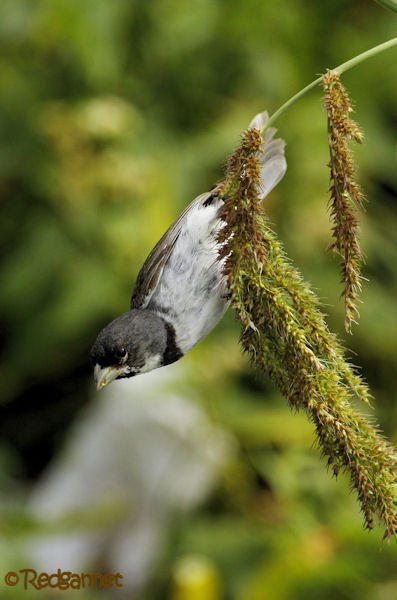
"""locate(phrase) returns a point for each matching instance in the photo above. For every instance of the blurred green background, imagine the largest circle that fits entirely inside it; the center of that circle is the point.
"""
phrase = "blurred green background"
(114, 114)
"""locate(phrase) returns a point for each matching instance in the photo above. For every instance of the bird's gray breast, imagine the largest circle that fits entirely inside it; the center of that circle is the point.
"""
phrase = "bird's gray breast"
(190, 293)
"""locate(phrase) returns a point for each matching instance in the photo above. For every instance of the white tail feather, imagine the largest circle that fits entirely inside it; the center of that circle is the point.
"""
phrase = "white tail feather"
(272, 157)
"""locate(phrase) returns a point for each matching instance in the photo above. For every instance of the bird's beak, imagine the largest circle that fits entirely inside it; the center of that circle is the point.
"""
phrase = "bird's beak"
(105, 376)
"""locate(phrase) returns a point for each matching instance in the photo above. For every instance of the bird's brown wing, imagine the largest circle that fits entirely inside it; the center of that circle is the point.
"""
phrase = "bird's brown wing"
(152, 268)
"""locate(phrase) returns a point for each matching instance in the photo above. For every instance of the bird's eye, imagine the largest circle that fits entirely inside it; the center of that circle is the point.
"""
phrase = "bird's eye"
(120, 353)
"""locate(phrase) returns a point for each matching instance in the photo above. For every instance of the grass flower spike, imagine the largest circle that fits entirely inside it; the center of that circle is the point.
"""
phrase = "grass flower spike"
(285, 335)
(346, 195)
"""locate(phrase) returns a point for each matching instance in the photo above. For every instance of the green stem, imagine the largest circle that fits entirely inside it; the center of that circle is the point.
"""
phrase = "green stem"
(391, 4)
(341, 69)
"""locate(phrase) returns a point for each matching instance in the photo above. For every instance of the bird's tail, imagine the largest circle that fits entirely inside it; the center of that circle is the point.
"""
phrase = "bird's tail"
(272, 158)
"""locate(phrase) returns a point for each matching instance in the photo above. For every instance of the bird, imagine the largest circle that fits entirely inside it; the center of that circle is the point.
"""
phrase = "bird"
(180, 294)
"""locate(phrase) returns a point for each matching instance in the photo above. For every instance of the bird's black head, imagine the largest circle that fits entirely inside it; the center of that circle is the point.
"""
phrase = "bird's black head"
(136, 342)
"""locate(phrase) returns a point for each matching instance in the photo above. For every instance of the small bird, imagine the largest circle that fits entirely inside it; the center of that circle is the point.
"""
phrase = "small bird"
(180, 294)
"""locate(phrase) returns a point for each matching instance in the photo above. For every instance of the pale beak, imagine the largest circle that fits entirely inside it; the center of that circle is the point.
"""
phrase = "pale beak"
(104, 376)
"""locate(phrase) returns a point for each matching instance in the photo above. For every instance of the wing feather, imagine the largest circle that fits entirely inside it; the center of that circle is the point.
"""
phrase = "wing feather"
(153, 267)
(273, 167)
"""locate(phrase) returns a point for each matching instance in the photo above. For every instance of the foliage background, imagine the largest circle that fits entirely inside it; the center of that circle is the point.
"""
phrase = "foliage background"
(113, 116)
